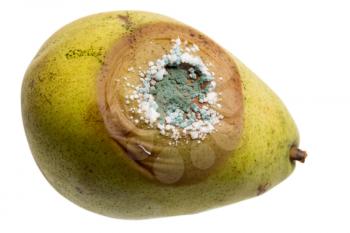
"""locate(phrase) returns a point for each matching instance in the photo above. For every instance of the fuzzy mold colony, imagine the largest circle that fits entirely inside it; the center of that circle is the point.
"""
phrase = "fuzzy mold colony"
(177, 94)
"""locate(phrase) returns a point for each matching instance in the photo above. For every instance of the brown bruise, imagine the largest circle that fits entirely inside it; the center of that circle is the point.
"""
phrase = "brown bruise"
(147, 149)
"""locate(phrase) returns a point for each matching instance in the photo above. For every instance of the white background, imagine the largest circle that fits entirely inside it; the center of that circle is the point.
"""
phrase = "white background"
(300, 48)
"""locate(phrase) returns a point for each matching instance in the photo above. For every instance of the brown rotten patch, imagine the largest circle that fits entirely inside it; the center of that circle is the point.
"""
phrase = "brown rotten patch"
(148, 150)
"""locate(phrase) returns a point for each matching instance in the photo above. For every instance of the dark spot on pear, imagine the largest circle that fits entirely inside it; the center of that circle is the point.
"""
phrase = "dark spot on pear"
(262, 188)
(79, 190)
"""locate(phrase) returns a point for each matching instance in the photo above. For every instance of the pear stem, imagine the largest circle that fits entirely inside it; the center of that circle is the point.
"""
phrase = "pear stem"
(297, 155)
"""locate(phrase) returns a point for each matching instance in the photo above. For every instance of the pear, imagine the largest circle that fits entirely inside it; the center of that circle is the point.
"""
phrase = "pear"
(84, 137)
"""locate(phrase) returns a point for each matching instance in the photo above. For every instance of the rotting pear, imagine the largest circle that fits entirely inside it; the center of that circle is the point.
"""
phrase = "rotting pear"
(91, 150)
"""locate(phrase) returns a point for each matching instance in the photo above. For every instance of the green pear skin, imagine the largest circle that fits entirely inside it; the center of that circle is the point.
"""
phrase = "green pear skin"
(72, 148)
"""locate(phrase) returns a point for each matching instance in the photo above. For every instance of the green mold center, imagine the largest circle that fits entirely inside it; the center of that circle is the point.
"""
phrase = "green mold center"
(178, 90)
(176, 95)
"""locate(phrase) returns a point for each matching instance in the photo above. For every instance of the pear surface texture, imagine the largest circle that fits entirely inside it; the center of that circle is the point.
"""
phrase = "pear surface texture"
(136, 115)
